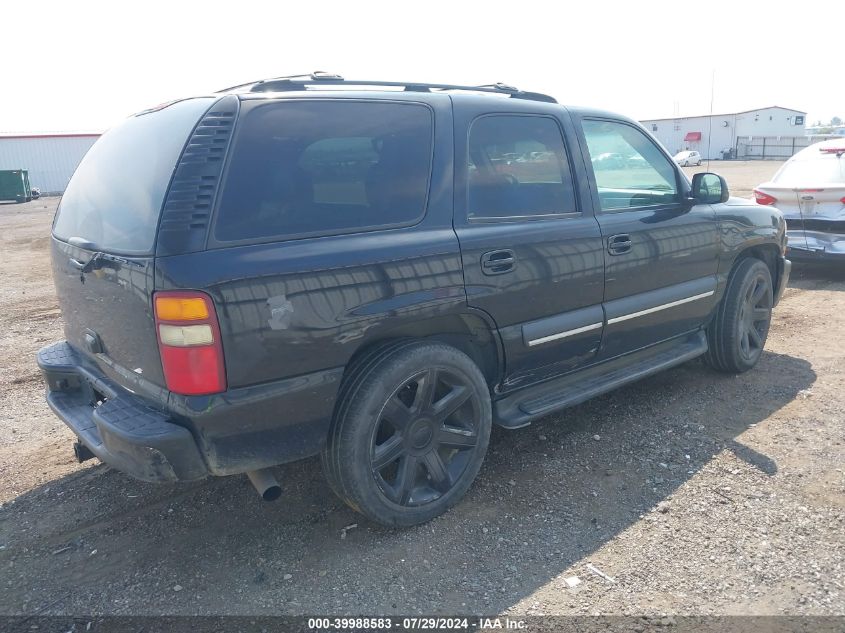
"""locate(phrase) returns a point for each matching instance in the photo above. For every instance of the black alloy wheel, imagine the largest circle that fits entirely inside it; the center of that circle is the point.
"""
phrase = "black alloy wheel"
(424, 438)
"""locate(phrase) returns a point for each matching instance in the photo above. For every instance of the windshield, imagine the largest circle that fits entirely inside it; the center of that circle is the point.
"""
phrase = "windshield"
(115, 196)
(814, 170)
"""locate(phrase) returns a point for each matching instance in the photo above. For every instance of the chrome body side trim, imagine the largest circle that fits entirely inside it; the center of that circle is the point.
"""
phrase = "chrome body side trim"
(560, 335)
(664, 306)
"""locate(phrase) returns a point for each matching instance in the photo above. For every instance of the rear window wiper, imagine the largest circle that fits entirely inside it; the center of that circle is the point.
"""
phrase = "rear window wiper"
(81, 242)
(87, 267)
(98, 260)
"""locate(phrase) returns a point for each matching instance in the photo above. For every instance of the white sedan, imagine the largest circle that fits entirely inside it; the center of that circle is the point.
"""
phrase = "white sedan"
(687, 158)
(809, 189)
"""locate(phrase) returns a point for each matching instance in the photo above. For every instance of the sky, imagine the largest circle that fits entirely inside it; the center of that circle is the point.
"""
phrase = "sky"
(85, 65)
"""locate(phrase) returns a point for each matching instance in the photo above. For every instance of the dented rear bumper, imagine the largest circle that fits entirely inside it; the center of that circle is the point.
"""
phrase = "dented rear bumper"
(817, 245)
(114, 424)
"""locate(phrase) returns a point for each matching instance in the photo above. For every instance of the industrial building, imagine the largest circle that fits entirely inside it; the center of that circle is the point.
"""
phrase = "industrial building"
(50, 158)
(773, 132)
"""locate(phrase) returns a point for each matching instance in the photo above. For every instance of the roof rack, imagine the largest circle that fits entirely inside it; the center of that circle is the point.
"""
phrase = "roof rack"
(320, 78)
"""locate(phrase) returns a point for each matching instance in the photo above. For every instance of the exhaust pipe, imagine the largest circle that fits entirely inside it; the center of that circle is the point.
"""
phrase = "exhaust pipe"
(265, 483)
(82, 452)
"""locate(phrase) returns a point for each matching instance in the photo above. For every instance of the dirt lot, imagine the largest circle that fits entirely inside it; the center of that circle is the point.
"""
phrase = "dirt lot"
(698, 493)
(742, 176)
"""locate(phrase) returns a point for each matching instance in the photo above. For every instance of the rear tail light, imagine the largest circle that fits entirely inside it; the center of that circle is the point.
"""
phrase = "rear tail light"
(189, 342)
(842, 199)
(832, 150)
(764, 198)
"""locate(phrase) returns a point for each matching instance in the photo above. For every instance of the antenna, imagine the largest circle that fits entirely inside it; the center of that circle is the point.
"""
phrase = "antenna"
(710, 118)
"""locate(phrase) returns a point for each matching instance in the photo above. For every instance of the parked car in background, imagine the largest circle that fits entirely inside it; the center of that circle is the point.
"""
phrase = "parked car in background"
(609, 160)
(636, 162)
(687, 158)
(809, 189)
(36, 193)
(322, 267)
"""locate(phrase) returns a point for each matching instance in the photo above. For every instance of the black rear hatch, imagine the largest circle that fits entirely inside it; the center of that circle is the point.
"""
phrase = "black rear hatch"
(104, 240)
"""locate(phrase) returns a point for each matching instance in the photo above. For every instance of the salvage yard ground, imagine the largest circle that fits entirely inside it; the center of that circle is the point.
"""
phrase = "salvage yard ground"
(697, 493)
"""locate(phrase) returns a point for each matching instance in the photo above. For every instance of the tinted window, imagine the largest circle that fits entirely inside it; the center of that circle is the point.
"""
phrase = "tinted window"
(313, 168)
(517, 168)
(116, 194)
(630, 170)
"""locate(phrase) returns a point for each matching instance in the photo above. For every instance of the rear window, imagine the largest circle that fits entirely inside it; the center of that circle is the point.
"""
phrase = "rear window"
(824, 169)
(115, 196)
(305, 168)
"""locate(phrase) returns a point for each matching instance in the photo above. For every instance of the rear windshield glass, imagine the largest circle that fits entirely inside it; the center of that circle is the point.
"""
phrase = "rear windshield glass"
(116, 194)
(824, 169)
(317, 168)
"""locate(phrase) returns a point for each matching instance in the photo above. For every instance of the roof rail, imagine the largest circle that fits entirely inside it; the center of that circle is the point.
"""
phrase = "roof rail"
(320, 78)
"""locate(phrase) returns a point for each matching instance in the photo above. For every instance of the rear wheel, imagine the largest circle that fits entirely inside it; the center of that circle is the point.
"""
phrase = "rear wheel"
(739, 329)
(410, 434)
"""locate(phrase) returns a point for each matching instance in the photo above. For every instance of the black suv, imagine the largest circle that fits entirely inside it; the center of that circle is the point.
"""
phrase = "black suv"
(377, 272)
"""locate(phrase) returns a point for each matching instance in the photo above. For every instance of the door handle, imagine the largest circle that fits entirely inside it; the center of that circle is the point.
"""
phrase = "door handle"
(498, 262)
(619, 244)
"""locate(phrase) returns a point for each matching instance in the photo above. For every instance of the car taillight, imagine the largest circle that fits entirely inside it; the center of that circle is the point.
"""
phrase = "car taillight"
(189, 342)
(842, 199)
(764, 198)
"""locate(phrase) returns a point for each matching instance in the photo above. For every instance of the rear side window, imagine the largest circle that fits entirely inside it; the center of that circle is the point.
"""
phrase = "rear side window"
(305, 168)
(115, 196)
(517, 168)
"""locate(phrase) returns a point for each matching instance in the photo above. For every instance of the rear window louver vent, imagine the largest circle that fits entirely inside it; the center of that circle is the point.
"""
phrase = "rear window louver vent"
(187, 208)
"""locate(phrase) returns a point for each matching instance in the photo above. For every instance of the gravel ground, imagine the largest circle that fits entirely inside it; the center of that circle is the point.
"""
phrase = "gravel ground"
(696, 493)
(742, 175)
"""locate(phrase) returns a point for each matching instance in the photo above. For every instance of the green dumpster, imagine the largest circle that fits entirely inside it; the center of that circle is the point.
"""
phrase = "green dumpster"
(14, 185)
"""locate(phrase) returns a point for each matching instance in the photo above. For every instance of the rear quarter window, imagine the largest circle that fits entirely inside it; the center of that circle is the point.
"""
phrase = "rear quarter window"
(309, 168)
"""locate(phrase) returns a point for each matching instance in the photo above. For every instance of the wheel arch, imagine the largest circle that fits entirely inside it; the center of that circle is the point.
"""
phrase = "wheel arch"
(768, 253)
(470, 332)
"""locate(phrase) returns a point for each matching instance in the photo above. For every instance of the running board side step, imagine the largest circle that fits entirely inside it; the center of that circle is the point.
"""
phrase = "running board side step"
(521, 408)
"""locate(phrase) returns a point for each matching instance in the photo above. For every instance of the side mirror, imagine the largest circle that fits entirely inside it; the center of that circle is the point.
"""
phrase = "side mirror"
(709, 188)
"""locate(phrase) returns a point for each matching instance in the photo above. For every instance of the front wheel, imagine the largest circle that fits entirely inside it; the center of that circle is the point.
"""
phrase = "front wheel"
(739, 329)
(410, 435)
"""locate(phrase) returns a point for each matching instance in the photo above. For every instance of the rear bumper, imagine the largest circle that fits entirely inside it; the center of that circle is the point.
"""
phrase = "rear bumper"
(168, 437)
(816, 246)
(118, 427)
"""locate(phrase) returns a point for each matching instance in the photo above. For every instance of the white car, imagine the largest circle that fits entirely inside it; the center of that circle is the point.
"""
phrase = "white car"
(687, 158)
(809, 189)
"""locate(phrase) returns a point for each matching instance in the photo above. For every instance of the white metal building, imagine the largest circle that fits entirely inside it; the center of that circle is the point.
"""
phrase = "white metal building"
(745, 134)
(50, 158)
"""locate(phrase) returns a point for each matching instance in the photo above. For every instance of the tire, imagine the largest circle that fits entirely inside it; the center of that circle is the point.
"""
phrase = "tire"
(356, 371)
(738, 332)
(409, 433)
(698, 164)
